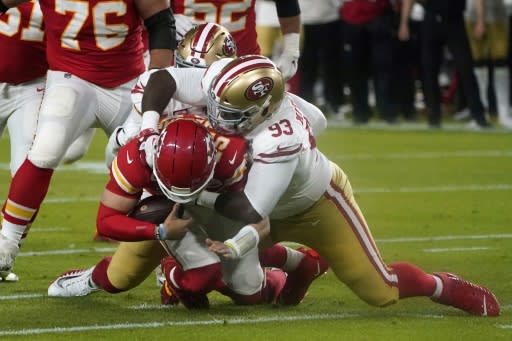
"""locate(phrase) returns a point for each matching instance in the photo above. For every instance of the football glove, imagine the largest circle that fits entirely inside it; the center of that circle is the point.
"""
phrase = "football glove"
(183, 25)
(288, 61)
(8, 251)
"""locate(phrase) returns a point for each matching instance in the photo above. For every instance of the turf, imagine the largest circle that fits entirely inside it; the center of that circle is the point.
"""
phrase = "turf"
(441, 199)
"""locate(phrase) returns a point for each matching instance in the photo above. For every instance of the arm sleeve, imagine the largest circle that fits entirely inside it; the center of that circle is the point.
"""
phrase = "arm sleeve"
(267, 182)
(287, 8)
(188, 85)
(117, 225)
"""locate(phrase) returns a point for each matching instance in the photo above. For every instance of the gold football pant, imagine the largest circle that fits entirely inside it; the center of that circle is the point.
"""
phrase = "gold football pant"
(335, 227)
(133, 262)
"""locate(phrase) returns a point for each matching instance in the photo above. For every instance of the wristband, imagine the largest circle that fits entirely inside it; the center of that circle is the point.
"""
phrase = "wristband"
(245, 240)
(160, 232)
(291, 44)
(150, 120)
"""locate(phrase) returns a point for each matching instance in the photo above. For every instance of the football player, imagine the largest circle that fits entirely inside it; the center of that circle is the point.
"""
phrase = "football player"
(186, 159)
(23, 43)
(200, 47)
(311, 201)
(239, 17)
(92, 71)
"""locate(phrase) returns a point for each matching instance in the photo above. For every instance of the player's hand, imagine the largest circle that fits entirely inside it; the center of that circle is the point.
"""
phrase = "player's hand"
(176, 227)
(183, 25)
(403, 32)
(221, 249)
(8, 251)
(116, 140)
(288, 61)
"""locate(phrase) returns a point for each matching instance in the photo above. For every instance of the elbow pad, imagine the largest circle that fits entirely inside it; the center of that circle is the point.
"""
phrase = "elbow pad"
(162, 30)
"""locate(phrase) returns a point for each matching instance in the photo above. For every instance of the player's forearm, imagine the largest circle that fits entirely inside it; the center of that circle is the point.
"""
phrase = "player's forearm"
(405, 13)
(116, 225)
(290, 25)
(159, 90)
(480, 11)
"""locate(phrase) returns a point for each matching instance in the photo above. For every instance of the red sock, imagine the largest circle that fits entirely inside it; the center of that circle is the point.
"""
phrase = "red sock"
(99, 276)
(412, 281)
(274, 256)
(199, 280)
(28, 190)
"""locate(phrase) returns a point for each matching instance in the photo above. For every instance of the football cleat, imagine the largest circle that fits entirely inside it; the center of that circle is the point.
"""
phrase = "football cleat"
(169, 293)
(467, 296)
(8, 276)
(73, 283)
(298, 281)
(275, 279)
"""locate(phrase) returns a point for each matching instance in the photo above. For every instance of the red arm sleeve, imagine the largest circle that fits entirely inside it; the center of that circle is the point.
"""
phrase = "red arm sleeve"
(117, 225)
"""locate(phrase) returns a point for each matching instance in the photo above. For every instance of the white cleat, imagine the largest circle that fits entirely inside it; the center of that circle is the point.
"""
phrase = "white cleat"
(73, 283)
(8, 276)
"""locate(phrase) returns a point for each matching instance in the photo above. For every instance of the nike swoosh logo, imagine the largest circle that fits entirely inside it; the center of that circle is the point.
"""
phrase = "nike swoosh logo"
(232, 161)
(128, 158)
(39, 89)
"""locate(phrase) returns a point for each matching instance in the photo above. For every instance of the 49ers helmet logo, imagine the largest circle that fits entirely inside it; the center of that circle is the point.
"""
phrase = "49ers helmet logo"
(259, 88)
(229, 47)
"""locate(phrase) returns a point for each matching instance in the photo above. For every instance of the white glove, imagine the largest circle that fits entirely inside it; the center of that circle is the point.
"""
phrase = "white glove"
(288, 61)
(183, 25)
(150, 148)
(8, 251)
(116, 140)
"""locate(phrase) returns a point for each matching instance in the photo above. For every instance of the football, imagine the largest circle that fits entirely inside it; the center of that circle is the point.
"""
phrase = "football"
(153, 209)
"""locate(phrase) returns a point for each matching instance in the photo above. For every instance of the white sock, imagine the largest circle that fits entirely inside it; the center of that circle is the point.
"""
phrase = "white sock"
(293, 258)
(12, 231)
(439, 287)
(482, 77)
(502, 86)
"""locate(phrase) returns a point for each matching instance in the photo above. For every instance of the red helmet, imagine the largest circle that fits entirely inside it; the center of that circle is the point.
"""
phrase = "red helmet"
(184, 160)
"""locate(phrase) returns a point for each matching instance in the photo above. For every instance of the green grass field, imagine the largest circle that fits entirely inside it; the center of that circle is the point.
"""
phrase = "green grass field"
(440, 199)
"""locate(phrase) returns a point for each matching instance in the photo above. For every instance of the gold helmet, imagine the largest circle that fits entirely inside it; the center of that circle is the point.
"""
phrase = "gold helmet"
(203, 45)
(245, 92)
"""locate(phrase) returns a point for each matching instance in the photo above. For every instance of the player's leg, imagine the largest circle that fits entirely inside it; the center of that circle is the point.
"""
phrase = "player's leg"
(192, 271)
(65, 112)
(79, 147)
(498, 43)
(341, 235)
(130, 265)
(247, 283)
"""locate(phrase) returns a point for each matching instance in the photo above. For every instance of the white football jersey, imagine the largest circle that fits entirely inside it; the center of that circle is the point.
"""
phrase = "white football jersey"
(287, 138)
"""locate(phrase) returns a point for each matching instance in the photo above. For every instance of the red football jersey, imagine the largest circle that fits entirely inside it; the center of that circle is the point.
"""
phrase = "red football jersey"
(97, 40)
(130, 173)
(22, 44)
(358, 12)
(237, 16)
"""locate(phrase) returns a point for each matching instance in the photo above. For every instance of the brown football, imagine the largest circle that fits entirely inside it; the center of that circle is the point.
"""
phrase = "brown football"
(153, 209)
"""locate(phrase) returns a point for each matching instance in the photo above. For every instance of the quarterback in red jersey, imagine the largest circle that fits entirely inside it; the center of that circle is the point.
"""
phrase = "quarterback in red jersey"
(95, 55)
(218, 163)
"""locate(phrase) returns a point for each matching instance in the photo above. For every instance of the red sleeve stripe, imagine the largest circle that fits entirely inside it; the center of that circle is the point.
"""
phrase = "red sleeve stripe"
(203, 36)
(237, 67)
(121, 179)
(280, 153)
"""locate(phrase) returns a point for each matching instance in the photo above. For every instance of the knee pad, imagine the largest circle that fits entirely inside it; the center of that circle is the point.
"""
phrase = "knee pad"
(54, 130)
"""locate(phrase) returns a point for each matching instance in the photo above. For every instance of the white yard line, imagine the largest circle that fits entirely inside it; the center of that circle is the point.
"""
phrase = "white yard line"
(458, 249)
(235, 321)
